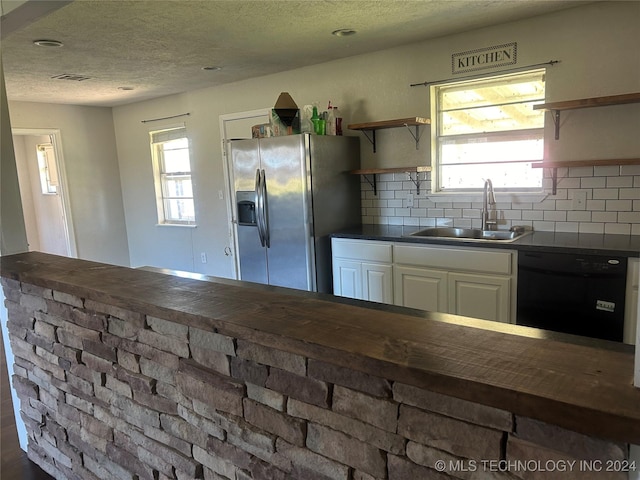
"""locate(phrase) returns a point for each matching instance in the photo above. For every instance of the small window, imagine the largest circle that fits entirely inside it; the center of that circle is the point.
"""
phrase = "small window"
(47, 168)
(488, 128)
(172, 164)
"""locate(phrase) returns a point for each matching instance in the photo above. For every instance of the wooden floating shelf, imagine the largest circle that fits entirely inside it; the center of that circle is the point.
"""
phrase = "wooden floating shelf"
(401, 122)
(370, 171)
(587, 163)
(590, 102)
(375, 171)
(371, 127)
(557, 107)
(581, 163)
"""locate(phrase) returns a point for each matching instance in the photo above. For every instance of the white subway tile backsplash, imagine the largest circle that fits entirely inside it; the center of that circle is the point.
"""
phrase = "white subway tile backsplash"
(612, 203)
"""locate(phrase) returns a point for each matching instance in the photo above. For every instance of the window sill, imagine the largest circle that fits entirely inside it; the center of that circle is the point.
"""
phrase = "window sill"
(501, 197)
(187, 225)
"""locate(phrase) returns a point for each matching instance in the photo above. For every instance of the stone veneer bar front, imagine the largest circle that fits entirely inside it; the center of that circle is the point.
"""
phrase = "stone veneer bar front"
(132, 374)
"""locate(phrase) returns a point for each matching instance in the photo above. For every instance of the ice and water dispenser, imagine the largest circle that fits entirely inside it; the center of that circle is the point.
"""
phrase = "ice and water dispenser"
(246, 208)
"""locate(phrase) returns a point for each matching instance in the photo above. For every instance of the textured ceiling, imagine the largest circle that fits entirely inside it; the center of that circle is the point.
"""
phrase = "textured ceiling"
(159, 47)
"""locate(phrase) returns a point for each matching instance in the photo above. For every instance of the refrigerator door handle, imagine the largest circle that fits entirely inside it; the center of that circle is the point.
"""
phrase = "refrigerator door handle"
(265, 211)
(259, 206)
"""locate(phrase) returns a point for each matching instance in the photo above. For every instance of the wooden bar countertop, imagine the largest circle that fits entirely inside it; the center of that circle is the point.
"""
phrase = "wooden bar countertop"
(584, 388)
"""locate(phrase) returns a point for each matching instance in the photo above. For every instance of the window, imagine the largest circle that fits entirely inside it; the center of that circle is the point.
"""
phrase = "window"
(487, 128)
(47, 169)
(174, 190)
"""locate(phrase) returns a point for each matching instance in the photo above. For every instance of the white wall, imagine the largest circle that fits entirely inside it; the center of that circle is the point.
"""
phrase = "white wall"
(596, 45)
(88, 146)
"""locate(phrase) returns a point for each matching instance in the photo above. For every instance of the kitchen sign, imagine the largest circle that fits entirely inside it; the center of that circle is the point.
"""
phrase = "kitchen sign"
(483, 58)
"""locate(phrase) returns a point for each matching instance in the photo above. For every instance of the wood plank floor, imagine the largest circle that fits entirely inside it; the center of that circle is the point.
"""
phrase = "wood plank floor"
(14, 463)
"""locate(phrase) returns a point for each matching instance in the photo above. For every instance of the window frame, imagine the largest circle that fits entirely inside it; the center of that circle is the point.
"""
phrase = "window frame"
(157, 139)
(439, 139)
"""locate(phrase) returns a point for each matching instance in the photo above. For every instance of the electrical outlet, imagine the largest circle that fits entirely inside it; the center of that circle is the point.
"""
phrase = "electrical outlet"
(203, 257)
(220, 195)
(410, 200)
(579, 200)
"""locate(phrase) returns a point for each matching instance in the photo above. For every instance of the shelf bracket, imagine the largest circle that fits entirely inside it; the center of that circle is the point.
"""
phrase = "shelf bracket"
(415, 136)
(416, 182)
(373, 182)
(372, 138)
(554, 179)
(556, 120)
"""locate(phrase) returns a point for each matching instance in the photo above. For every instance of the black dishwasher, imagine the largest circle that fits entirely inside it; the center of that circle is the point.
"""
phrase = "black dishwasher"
(572, 293)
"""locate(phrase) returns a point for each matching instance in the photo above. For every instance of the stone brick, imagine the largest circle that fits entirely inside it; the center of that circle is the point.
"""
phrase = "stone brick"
(96, 441)
(121, 313)
(137, 381)
(78, 316)
(128, 361)
(302, 388)
(45, 330)
(574, 444)
(168, 440)
(9, 284)
(96, 427)
(214, 360)
(87, 373)
(182, 429)
(265, 396)
(255, 441)
(24, 388)
(129, 461)
(291, 429)
(229, 453)
(156, 402)
(212, 341)
(172, 393)
(67, 298)
(79, 403)
(381, 413)
(122, 328)
(118, 387)
(80, 385)
(157, 371)
(453, 436)
(249, 371)
(30, 289)
(309, 465)
(97, 363)
(39, 341)
(363, 382)
(214, 463)
(221, 392)
(386, 441)
(72, 335)
(71, 354)
(166, 327)
(33, 303)
(270, 356)
(345, 449)
(402, 469)
(521, 450)
(164, 343)
(16, 331)
(166, 359)
(133, 412)
(453, 407)
(262, 470)
(99, 349)
(213, 428)
(156, 462)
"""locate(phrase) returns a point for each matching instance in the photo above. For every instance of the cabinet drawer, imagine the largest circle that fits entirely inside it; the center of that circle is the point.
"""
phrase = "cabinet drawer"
(361, 250)
(467, 259)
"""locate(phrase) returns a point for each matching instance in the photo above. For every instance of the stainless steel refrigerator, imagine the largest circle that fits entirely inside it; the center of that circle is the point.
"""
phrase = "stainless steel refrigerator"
(291, 193)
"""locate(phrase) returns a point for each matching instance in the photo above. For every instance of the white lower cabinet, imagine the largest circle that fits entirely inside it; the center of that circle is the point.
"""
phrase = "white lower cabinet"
(362, 270)
(469, 281)
(473, 282)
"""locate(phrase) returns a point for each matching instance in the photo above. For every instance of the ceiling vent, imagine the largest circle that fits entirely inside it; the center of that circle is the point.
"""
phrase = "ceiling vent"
(71, 76)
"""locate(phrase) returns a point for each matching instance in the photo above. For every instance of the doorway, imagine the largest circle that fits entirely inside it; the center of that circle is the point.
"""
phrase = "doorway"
(43, 191)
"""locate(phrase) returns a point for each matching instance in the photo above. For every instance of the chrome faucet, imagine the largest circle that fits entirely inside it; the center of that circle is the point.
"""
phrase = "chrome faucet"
(489, 221)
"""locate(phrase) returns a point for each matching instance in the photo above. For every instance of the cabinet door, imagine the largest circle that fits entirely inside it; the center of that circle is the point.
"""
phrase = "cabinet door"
(480, 296)
(377, 283)
(347, 278)
(421, 288)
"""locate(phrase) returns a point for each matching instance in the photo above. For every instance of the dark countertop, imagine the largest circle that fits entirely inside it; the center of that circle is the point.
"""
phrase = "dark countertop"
(580, 387)
(583, 243)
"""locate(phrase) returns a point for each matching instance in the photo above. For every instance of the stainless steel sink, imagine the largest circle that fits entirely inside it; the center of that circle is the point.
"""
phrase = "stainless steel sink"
(471, 234)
